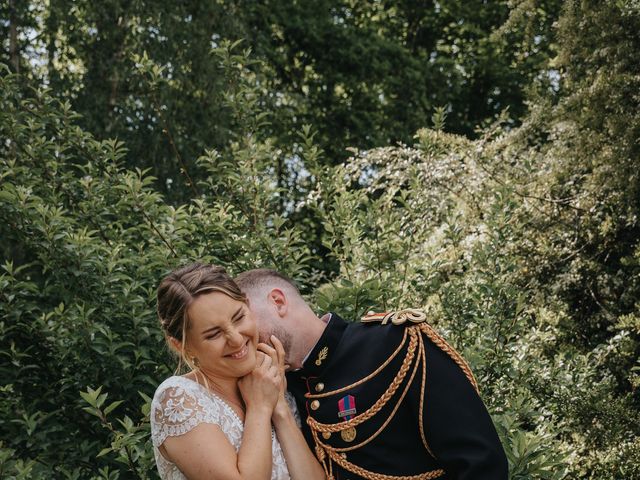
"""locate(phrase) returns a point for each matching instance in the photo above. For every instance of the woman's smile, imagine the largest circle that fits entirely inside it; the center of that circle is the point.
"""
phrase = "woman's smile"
(240, 354)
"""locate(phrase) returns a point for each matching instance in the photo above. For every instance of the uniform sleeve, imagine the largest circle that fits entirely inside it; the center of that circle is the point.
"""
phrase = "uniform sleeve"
(458, 427)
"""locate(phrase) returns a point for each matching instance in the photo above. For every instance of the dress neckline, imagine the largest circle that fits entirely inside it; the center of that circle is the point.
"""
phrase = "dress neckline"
(215, 395)
(223, 401)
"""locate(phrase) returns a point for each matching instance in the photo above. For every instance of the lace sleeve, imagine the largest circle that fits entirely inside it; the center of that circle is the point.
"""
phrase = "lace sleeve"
(294, 409)
(177, 409)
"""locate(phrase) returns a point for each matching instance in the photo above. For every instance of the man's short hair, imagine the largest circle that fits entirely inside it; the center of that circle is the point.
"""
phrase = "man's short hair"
(263, 277)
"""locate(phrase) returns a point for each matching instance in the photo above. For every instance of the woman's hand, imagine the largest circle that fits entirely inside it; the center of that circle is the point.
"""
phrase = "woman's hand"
(277, 353)
(301, 462)
(261, 388)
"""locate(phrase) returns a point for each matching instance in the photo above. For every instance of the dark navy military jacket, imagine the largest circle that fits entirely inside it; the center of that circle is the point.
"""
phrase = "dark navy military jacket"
(459, 432)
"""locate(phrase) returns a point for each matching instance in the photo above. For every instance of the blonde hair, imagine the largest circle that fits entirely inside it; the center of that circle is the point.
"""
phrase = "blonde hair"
(179, 289)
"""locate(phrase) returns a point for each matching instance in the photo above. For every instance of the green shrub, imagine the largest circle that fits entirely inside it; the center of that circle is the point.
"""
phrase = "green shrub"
(522, 246)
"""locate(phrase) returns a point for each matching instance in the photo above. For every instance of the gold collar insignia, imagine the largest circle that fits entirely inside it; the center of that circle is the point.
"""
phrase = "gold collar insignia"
(322, 355)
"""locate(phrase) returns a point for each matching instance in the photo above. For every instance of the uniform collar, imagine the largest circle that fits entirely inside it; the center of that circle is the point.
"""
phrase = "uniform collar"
(320, 355)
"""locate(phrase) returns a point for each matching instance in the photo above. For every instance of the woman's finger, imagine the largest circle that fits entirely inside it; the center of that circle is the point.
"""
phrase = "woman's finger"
(279, 351)
(260, 358)
(267, 362)
(275, 373)
(270, 351)
(267, 349)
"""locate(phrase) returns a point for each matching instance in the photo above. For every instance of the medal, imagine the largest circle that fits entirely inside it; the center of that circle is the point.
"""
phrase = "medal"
(348, 435)
(346, 411)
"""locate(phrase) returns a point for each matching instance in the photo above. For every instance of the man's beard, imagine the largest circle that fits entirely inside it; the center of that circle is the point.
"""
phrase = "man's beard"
(284, 337)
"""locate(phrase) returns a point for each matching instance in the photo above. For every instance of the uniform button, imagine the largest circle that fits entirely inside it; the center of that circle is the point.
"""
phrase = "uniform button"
(315, 405)
(343, 455)
(326, 435)
(319, 387)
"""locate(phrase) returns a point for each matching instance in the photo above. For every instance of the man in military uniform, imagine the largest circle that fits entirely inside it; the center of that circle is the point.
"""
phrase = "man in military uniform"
(385, 398)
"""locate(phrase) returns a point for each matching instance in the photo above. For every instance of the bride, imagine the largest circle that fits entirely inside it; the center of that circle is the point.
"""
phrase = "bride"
(229, 416)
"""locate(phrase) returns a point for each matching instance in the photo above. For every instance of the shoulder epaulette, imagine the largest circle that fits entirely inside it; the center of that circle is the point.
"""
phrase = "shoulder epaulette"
(398, 317)
(419, 317)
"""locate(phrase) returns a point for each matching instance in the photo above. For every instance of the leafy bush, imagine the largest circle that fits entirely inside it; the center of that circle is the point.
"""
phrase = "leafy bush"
(522, 246)
(92, 241)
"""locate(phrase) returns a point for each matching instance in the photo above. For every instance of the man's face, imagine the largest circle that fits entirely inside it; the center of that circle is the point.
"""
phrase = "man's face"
(268, 325)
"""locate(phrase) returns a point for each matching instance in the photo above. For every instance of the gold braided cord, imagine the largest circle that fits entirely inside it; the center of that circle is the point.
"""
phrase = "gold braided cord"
(375, 408)
(423, 355)
(329, 455)
(449, 350)
(418, 317)
(391, 415)
(362, 380)
(322, 456)
(380, 476)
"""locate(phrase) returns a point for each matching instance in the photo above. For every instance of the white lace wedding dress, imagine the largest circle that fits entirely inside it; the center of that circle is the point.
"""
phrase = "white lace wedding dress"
(180, 404)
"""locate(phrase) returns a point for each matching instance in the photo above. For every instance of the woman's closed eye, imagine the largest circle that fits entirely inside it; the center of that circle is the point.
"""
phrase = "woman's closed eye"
(212, 335)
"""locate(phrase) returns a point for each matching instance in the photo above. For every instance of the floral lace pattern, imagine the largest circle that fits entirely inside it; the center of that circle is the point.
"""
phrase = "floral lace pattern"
(180, 404)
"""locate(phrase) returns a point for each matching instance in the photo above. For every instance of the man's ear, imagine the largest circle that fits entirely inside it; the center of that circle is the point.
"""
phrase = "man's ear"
(279, 300)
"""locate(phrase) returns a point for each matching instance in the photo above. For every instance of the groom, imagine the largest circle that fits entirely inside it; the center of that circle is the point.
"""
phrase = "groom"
(383, 398)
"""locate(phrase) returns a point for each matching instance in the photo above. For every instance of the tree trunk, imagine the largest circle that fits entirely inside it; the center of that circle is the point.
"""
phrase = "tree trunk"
(14, 56)
(51, 30)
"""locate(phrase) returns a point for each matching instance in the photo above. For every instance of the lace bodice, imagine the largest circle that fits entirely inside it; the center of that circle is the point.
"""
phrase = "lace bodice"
(180, 404)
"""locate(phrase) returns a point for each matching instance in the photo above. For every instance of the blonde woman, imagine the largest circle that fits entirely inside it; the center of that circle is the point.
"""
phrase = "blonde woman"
(228, 417)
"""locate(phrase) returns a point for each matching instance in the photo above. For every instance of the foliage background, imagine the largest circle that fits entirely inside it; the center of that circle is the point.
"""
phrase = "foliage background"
(475, 159)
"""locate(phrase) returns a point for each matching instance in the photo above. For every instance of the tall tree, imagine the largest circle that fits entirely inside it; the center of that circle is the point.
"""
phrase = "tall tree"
(364, 74)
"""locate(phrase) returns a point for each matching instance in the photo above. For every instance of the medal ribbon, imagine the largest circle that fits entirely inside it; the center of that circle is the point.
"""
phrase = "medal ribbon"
(347, 407)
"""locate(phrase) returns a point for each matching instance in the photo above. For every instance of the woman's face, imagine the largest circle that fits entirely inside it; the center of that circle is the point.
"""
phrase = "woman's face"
(222, 335)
